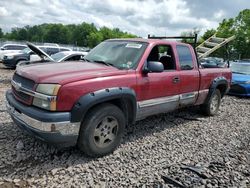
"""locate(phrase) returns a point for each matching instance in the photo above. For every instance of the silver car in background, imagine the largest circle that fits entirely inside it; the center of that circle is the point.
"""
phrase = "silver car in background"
(10, 48)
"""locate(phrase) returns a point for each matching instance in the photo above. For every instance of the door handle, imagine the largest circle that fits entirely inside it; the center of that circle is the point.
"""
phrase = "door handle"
(176, 79)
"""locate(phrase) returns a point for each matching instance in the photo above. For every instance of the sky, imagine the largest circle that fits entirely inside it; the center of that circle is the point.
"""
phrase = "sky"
(140, 17)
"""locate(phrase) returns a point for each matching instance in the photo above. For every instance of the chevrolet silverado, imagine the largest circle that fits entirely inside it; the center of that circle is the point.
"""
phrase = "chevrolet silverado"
(120, 81)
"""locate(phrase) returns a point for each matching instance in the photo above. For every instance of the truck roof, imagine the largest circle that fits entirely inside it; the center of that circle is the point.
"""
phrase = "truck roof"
(150, 41)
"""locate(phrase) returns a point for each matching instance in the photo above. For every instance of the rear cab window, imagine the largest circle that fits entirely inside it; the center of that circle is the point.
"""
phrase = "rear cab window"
(185, 57)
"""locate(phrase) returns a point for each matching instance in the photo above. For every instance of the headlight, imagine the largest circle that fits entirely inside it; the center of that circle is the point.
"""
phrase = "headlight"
(42, 103)
(49, 102)
(9, 57)
(48, 89)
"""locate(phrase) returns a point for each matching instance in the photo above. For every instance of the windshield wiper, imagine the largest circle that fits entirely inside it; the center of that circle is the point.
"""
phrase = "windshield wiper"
(99, 61)
(104, 62)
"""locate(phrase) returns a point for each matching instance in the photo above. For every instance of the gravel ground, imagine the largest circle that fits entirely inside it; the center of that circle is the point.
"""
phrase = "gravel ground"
(183, 149)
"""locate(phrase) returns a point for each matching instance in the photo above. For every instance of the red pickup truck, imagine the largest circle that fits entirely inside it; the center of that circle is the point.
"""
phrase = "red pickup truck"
(90, 103)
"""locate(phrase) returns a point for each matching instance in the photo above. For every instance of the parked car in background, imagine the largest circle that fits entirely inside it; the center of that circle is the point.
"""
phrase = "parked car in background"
(49, 50)
(240, 79)
(10, 48)
(69, 56)
(12, 59)
(82, 49)
(58, 57)
(244, 61)
(213, 62)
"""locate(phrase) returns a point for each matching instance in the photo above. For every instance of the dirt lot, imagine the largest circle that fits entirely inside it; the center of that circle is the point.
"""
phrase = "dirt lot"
(183, 148)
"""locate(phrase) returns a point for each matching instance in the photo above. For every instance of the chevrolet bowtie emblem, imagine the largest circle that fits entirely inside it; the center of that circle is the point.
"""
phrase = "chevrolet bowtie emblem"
(17, 86)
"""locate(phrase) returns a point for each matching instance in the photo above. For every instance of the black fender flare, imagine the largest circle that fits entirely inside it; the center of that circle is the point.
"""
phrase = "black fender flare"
(214, 85)
(89, 100)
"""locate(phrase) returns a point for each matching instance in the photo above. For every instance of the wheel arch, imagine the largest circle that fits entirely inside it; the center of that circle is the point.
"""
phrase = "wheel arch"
(21, 59)
(123, 97)
(220, 83)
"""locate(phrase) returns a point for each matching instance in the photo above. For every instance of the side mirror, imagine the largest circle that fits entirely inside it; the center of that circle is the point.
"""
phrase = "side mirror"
(153, 66)
(2, 48)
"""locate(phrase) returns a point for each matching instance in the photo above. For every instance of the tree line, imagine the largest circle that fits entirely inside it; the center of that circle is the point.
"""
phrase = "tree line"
(83, 34)
(89, 35)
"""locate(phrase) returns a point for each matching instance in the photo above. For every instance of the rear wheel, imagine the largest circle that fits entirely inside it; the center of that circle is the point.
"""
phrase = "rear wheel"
(102, 130)
(211, 108)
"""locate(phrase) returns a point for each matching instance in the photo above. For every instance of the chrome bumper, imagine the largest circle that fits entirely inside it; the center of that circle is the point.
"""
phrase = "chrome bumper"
(64, 128)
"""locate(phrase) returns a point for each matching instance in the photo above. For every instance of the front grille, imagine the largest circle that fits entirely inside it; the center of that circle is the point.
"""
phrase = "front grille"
(237, 89)
(26, 83)
(22, 96)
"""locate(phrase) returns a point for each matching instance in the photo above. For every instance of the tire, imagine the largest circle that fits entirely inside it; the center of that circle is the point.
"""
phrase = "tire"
(102, 130)
(211, 108)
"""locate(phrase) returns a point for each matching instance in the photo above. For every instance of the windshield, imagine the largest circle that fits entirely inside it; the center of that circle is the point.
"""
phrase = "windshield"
(120, 54)
(26, 51)
(240, 68)
(58, 56)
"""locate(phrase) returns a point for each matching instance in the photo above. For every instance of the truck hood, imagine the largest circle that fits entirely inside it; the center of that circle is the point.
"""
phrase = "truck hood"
(66, 72)
(39, 51)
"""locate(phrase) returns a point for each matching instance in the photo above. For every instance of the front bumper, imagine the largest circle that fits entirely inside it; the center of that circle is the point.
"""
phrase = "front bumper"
(240, 90)
(51, 127)
(9, 63)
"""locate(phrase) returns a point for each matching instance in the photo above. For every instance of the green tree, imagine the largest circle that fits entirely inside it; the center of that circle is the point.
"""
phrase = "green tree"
(1, 33)
(94, 39)
(238, 26)
(106, 33)
(208, 34)
(57, 33)
(36, 33)
(242, 33)
(22, 34)
(83, 34)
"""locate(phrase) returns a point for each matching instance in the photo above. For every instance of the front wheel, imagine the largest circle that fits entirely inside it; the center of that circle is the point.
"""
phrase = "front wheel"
(211, 108)
(102, 130)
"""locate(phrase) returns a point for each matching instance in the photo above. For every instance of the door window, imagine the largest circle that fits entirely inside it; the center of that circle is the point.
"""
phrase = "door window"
(185, 57)
(163, 54)
(51, 51)
(12, 47)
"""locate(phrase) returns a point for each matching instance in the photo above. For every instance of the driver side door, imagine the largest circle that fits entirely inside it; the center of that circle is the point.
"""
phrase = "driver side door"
(159, 92)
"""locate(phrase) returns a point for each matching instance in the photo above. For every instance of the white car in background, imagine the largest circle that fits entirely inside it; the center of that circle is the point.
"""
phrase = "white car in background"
(11, 60)
(49, 50)
(11, 48)
(69, 56)
(41, 56)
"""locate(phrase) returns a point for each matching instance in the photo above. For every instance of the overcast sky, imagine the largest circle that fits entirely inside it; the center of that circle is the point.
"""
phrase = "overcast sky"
(159, 17)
